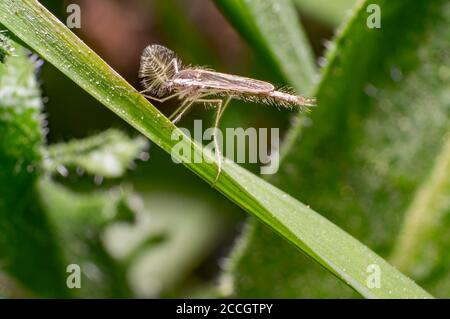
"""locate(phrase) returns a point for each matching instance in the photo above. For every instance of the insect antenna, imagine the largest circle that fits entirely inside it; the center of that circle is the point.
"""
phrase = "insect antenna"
(158, 66)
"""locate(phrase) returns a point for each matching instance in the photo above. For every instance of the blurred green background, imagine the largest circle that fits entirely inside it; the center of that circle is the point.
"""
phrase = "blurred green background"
(362, 159)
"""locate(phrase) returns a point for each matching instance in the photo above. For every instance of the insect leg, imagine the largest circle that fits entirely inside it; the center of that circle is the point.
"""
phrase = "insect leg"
(219, 113)
(221, 106)
(152, 97)
(183, 108)
(176, 116)
(164, 98)
(224, 106)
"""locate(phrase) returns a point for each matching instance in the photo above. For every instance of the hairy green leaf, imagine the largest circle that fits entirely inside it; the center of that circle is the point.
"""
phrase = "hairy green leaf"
(25, 234)
(107, 154)
(6, 47)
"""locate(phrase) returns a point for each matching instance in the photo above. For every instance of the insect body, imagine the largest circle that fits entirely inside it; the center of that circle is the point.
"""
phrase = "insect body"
(164, 77)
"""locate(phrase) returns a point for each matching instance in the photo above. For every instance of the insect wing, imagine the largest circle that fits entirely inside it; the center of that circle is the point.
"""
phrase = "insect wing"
(227, 82)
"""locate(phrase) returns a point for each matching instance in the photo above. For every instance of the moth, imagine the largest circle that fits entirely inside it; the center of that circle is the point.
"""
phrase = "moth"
(164, 77)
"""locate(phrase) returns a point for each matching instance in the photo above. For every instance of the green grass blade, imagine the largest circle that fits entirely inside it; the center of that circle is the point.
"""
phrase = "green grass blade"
(273, 28)
(425, 229)
(337, 251)
(330, 12)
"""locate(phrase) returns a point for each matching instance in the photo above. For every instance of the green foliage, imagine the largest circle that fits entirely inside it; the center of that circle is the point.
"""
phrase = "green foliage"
(391, 113)
(182, 229)
(422, 247)
(383, 104)
(25, 234)
(78, 221)
(107, 154)
(330, 12)
(6, 48)
(273, 29)
(44, 224)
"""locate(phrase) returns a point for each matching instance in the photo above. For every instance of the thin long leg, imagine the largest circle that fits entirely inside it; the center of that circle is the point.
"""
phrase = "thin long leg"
(219, 113)
(177, 110)
(152, 97)
(184, 107)
(221, 106)
(164, 98)
(224, 107)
